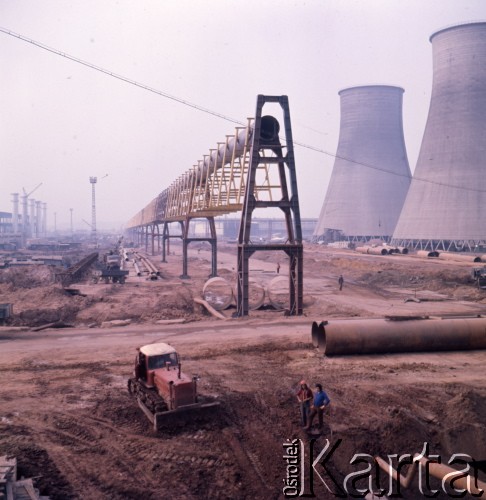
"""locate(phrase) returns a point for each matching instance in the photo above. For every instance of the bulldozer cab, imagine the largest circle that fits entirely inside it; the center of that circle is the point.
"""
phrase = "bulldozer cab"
(153, 357)
(163, 361)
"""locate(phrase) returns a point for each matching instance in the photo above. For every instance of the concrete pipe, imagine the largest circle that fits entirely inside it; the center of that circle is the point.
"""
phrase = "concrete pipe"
(426, 254)
(369, 336)
(278, 292)
(218, 293)
(403, 250)
(459, 257)
(362, 249)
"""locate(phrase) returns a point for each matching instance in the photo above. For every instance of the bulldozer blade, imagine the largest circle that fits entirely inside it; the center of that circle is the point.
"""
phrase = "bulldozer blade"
(147, 412)
(179, 417)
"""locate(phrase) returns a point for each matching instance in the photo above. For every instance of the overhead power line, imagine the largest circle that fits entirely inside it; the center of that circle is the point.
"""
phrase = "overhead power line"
(119, 77)
(215, 113)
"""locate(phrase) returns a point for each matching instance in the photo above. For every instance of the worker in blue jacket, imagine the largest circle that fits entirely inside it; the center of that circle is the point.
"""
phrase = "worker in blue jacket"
(321, 401)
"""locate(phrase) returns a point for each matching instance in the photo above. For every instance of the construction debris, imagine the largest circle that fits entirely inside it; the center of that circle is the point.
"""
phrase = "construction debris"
(11, 488)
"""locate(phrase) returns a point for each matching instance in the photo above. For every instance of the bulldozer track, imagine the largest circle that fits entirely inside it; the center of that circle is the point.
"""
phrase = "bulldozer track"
(244, 457)
(76, 437)
(71, 429)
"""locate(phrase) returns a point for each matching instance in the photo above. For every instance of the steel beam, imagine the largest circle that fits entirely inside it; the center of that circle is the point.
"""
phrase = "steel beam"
(212, 240)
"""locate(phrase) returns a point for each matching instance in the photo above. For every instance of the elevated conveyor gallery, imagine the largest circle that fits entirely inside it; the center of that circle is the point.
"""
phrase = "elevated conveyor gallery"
(250, 169)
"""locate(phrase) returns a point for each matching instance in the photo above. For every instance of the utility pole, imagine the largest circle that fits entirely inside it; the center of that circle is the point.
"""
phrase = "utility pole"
(93, 181)
(72, 231)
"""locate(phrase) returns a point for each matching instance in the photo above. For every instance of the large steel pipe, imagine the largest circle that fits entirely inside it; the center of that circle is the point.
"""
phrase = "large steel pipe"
(378, 251)
(369, 336)
(235, 146)
(218, 293)
(375, 250)
(448, 475)
(427, 254)
(459, 257)
(256, 295)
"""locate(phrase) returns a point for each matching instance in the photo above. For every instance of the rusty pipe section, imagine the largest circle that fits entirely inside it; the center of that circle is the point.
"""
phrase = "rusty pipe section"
(373, 336)
(445, 473)
(459, 257)
(402, 250)
(137, 269)
(374, 250)
(151, 269)
(427, 254)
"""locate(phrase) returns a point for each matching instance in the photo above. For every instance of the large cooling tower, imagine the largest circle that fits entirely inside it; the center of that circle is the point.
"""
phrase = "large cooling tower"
(371, 175)
(446, 204)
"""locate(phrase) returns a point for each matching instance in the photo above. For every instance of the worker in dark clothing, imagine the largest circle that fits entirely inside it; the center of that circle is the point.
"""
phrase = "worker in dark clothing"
(304, 397)
(341, 282)
(321, 401)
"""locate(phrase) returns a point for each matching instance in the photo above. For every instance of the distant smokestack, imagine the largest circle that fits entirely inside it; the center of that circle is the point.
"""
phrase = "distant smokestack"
(44, 219)
(25, 219)
(371, 175)
(15, 214)
(446, 204)
(32, 218)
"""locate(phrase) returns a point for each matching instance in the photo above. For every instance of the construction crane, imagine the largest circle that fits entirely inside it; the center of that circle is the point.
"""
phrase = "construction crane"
(35, 189)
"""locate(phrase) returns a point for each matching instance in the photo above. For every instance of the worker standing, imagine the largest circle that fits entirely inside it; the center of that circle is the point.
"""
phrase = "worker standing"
(304, 397)
(321, 401)
(341, 282)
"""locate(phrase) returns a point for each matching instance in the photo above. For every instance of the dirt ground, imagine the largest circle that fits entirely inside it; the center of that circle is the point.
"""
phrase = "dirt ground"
(67, 416)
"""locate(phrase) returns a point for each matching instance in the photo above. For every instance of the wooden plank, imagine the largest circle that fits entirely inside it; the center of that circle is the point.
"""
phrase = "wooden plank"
(210, 309)
(24, 490)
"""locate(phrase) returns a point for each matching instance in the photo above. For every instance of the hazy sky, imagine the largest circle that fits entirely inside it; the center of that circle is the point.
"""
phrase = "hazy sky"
(61, 122)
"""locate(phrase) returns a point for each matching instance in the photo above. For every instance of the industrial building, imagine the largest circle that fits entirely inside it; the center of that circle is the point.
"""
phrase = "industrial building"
(16, 227)
(445, 208)
(371, 174)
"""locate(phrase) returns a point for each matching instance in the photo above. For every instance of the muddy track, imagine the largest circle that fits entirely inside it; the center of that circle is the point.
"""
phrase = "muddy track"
(66, 414)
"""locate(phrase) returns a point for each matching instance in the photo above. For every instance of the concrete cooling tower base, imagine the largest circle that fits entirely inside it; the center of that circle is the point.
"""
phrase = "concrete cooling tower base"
(442, 245)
